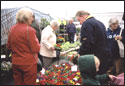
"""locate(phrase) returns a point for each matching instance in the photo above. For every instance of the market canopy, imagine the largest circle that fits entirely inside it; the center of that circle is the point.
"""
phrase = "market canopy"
(8, 18)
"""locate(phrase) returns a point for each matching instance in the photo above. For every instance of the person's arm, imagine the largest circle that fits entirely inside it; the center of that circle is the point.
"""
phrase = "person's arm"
(123, 36)
(103, 79)
(8, 42)
(45, 37)
(74, 29)
(120, 37)
(87, 40)
(34, 43)
(67, 28)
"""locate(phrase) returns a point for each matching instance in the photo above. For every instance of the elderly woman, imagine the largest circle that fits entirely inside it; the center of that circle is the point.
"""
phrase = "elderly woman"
(48, 40)
(113, 31)
(23, 43)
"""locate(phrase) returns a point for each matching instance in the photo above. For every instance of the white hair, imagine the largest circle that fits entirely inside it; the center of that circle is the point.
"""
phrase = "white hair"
(113, 20)
(23, 15)
(54, 23)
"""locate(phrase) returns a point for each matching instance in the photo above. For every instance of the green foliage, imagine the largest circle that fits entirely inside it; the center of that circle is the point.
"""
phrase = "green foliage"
(6, 66)
(78, 30)
(44, 23)
(66, 46)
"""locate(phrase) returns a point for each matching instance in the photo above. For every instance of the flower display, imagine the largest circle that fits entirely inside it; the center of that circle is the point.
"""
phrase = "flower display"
(60, 75)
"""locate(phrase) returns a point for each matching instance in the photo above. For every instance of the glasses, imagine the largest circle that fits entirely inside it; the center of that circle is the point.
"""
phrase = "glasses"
(114, 23)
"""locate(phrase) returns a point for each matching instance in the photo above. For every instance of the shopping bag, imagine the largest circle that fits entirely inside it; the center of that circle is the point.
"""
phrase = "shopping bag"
(121, 46)
(119, 80)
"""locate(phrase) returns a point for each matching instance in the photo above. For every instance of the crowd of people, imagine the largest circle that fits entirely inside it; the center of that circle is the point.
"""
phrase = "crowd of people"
(99, 51)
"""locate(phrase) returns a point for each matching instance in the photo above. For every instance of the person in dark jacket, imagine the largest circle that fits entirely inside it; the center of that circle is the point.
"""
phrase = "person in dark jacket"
(71, 30)
(36, 26)
(93, 39)
(112, 34)
(88, 66)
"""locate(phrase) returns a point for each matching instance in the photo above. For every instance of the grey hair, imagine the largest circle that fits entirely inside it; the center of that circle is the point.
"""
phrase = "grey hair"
(54, 23)
(82, 12)
(23, 15)
(113, 20)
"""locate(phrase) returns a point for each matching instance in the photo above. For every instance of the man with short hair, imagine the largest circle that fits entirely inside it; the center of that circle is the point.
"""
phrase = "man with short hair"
(93, 39)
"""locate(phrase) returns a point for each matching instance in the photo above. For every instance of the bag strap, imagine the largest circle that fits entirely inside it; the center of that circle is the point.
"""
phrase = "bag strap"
(120, 32)
(29, 42)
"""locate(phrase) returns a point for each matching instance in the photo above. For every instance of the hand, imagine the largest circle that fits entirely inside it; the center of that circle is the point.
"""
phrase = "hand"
(118, 38)
(112, 77)
(78, 56)
(52, 48)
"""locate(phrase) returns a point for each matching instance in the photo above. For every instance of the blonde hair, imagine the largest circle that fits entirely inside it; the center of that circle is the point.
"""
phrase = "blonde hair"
(97, 62)
(82, 12)
(113, 20)
(23, 15)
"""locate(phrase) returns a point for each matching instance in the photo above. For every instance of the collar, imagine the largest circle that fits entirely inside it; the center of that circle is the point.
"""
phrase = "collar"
(89, 17)
(52, 29)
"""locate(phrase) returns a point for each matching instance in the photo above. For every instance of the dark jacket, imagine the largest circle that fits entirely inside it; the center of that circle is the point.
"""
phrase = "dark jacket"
(94, 39)
(87, 69)
(112, 42)
(36, 26)
(71, 28)
(123, 38)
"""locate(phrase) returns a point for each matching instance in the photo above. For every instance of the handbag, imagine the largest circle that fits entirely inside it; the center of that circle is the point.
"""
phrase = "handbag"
(39, 63)
(121, 46)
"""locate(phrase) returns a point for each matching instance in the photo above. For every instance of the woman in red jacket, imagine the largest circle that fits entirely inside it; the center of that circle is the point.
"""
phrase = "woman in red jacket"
(23, 43)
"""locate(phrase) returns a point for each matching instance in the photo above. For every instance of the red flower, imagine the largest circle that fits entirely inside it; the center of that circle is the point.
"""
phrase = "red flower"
(42, 82)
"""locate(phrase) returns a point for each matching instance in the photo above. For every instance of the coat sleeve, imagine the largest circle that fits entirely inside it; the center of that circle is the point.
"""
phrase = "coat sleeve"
(123, 36)
(67, 28)
(103, 79)
(45, 37)
(8, 42)
(87, 40)
(34, 43)
(74, 29)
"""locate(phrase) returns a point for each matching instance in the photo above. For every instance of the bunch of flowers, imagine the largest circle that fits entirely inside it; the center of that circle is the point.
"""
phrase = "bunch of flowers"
(58, 47)
(60, 75)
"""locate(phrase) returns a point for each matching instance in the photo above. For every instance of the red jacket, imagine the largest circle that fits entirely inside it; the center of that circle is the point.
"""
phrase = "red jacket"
(18, 43)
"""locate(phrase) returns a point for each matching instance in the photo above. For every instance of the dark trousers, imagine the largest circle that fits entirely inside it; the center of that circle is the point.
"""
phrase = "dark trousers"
(71, 37)
(25, 74)
(117, 66)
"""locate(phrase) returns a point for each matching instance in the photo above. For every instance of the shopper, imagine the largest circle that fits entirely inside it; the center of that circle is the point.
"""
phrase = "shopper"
(112, 34)
(24, 49)
(36, 26)
(88, 66)
(48, 40)
(93, 39)
(71, 30)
